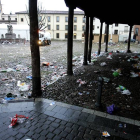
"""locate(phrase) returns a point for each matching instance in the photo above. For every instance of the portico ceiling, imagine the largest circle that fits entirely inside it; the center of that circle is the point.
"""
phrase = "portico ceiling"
(109, 11)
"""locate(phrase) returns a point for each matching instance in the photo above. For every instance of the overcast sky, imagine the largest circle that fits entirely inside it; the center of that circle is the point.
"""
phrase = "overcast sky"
(19, 5)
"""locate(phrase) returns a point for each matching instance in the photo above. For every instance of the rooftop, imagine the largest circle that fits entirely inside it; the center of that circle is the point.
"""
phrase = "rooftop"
(54, 12)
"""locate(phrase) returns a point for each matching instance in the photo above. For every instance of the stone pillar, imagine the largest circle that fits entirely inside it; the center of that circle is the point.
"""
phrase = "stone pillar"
(128, 47)
(107, 31)
(70, 41)
(35, 53)
(100, 38)
(91, 38)
(86, 41)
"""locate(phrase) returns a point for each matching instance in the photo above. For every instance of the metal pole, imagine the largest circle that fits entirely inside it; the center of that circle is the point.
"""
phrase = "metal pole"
(70, 41)
(86, 41)
(100, 38)
(128, 47)
(91, 37)
(98, 99)
(106, 48)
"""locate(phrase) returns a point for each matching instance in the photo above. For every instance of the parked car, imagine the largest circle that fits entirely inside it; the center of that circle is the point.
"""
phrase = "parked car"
(132, 40)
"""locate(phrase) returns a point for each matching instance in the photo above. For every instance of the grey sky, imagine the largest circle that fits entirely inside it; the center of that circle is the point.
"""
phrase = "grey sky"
(19, 5)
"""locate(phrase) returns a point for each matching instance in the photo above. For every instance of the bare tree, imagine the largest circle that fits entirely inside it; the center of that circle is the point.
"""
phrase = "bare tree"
(42, 17)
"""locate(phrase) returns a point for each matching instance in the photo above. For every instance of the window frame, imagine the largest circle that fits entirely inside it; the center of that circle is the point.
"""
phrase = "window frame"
(57, 34)
(22, 19)
(58, 27)
(57, 20)
(75, 21)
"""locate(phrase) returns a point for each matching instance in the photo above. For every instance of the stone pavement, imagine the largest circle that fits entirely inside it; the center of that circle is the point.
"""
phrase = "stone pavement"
(61, 121)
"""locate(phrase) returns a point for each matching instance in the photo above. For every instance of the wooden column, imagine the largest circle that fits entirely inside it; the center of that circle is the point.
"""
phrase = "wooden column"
(91, 38)
(107, 31)
(128, 47)
(70, 41)
(100, 38)
(86, 41)
(35, 54)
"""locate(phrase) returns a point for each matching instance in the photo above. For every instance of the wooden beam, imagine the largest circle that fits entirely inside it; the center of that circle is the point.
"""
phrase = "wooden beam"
(70, 41)
(86, 41)
(107, 31)
(35, 53)
(100, 38)
(91, 38)
(128, 47)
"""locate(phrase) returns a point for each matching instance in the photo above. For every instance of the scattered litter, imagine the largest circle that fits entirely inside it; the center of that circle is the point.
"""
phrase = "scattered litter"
(81, 82)
(115, 74)
(103, 64)
(4, 79)
(24, 87)
(133, 74)
(4, 101)
(45, 63)
(105, 134)
(52, 103)
(122, 87)
(106, 79)
(80, 93)
(120, 125)
(17, 119)
(29, 77)
(93, 60)
(9, 98)
(111, 109)
(127, 92)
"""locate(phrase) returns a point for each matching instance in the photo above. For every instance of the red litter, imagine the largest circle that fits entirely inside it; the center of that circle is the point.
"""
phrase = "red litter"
(17, 118)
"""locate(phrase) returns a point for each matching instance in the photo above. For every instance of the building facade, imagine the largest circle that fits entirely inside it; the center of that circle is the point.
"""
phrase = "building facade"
(57, 23)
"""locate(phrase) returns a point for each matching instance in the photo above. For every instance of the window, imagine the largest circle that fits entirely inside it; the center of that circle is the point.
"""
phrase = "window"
(116, 24)
(115, 32)
(57, 35)
(83, 35)
(83, 28)
(66, 19)
(49, 19)
(57, 19)
(74, 35)
(136, 31)
(18, 35)
(84, 19)
(57, 27)
(16, 19)
(21, 19)
(66, 35)
(49, 27)
(2, 18)
(75, 27)
(125, 28)
(75, 19)
(97, 27)
(66, 27)
(40, 18)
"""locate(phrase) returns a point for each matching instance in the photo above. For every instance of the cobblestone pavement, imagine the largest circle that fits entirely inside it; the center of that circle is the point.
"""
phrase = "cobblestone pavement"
(61, 121)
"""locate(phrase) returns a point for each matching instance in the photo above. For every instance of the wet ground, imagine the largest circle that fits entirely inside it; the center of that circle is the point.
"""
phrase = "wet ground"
(66, 89)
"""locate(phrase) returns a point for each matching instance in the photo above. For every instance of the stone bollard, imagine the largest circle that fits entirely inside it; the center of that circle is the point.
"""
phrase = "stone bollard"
(98, 99)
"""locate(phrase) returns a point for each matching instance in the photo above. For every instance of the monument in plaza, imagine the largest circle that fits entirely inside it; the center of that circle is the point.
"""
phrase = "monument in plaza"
(10, 34)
